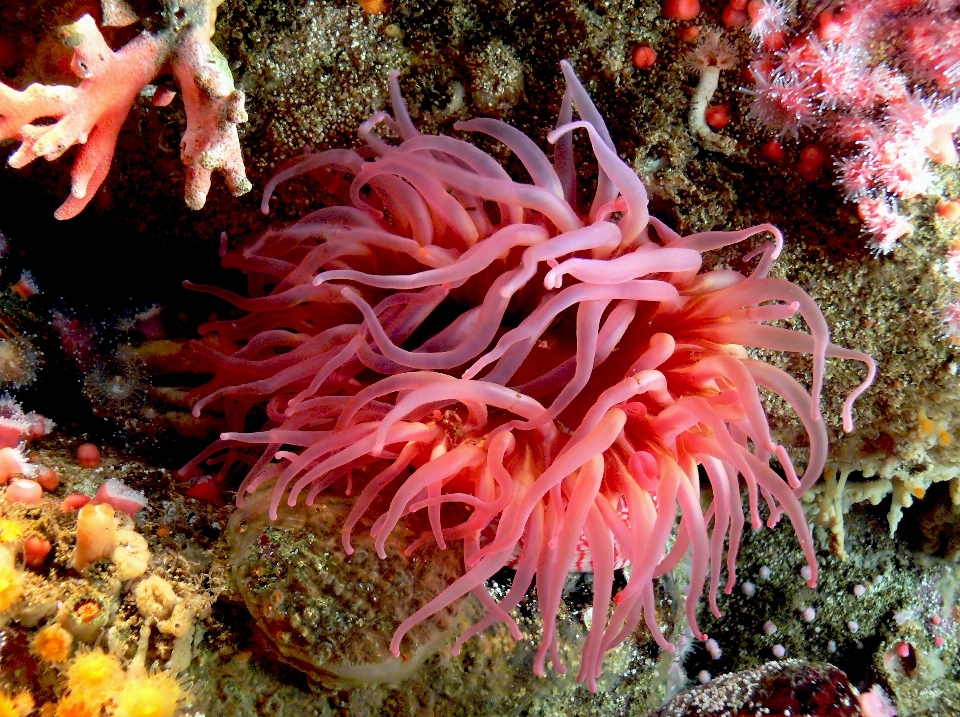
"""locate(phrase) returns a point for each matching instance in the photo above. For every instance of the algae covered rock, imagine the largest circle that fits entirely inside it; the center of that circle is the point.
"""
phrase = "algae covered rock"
(332, 616)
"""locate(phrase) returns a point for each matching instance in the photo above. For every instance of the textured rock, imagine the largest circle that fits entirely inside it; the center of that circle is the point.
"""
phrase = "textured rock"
(790, 687)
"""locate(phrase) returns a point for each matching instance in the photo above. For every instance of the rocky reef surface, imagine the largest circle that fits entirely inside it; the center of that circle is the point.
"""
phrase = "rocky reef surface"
(271, 618)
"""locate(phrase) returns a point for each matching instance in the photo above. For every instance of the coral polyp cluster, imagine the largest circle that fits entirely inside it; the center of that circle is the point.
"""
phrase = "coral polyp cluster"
(877, 81)
(541, 383)
(97, 684)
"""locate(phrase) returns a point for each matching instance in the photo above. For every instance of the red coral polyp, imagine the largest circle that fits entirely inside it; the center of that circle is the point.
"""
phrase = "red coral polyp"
(540, 383)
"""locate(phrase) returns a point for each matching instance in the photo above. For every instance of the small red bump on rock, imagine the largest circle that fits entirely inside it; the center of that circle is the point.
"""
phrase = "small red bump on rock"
(48, 478)
(949, 210)
(773, 151)
(74, 501)
(812, 158)
(207, 489)
(680, 9)
(717, 116)
(732, 17)
(88, 456)
(644, 56)
(24, 491)
(35, 551)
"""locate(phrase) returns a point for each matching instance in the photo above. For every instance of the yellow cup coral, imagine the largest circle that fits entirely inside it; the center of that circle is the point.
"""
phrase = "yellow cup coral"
(11, 580)
(52, 644)
(97, 684)
(144, 695)
(93, 677)
(74, 706)
(11, 531)
(18, 706)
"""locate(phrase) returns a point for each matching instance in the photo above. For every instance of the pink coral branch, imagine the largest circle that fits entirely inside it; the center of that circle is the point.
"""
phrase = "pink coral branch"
(92, 113)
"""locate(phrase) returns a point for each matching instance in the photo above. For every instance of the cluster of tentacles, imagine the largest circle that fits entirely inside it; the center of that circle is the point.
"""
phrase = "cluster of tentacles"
(553, 388)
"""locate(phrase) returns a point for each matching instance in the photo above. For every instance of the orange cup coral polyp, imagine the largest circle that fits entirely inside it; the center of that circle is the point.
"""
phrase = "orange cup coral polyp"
(539, 381)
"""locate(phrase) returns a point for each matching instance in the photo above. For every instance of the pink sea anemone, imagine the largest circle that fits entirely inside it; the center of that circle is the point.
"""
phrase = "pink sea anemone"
(556, 389)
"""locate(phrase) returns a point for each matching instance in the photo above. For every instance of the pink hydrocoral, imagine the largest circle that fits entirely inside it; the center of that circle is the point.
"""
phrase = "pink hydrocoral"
(534, 381)
(92, 113)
